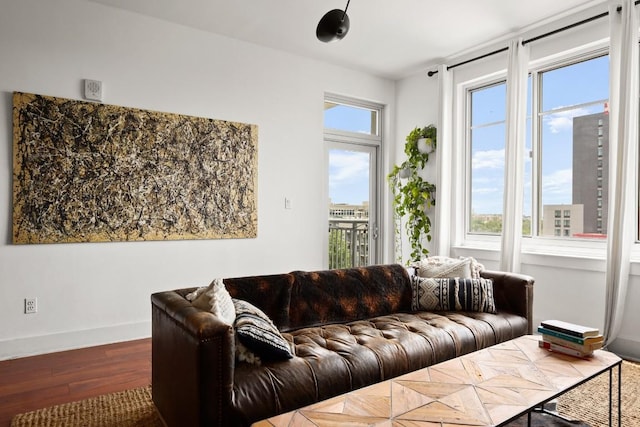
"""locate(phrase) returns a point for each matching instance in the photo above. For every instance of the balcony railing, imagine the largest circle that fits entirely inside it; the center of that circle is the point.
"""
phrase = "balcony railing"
(348, 243)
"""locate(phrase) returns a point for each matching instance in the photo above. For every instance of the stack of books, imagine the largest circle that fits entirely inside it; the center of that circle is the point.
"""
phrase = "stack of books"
(567, 338)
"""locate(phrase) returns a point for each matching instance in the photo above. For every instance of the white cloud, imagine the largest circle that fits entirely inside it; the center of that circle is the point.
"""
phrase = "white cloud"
(558, 186)
(489, 159)
(563, 120)
(348, 166)
(486, 190)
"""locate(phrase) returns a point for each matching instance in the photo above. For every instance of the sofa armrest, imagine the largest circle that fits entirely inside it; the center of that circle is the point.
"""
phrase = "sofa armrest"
(513, 292)
(192, 362)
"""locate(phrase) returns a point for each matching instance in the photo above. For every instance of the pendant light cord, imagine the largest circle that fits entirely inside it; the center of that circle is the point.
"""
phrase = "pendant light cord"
(345, 10)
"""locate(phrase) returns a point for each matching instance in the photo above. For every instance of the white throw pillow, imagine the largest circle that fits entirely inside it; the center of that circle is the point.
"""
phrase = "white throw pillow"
(476, 268)
(443, 266)
(217, 300)
(195, 294)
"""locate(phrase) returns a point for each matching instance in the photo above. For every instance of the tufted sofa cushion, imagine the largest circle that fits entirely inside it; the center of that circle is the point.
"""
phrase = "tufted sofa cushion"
(337, 358)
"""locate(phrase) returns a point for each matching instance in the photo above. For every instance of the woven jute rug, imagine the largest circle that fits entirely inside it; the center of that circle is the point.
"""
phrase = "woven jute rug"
(134, 408)
(130, 408)
(590, 401)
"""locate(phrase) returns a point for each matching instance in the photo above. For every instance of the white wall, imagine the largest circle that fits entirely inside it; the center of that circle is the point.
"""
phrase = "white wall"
(417, 106)
(96, 293)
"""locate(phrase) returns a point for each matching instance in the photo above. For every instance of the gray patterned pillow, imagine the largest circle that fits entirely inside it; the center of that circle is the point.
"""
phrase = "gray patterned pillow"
(452, 294)
(258, 333)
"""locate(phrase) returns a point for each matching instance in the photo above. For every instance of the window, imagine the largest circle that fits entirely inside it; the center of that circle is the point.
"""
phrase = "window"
(351, 118)
(573, 129)
(352, 137)
(571, 125)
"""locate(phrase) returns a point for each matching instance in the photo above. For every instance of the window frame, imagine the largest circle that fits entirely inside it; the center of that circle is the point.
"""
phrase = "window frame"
(583, 247)
(482, 84)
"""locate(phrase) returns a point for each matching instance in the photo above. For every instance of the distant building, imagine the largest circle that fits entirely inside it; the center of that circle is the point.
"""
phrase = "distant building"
(588, 213)
(562, 220)
(347, 211)
(591, 170)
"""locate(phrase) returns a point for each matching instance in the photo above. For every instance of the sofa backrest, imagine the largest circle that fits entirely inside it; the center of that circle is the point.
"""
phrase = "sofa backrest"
(344, 295)
(270, 293)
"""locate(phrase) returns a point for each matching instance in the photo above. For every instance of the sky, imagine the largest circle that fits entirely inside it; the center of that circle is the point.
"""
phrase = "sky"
(348, 170)
(584, 86)
(348, 176)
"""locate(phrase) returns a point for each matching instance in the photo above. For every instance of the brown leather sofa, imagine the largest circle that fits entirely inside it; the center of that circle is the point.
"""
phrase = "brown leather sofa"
(349, 328)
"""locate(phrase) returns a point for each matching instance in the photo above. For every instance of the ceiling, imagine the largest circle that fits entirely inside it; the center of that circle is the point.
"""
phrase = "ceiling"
(388, 38)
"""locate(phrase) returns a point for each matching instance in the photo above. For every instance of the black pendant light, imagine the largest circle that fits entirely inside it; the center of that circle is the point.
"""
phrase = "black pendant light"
(334, 25)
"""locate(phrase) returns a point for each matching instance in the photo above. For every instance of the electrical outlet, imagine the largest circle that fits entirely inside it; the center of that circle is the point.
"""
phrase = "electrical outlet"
(30, 305)
(93, 90)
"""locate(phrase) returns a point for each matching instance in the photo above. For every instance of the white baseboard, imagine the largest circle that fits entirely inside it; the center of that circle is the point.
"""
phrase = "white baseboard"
(42, 344)
(627, 349)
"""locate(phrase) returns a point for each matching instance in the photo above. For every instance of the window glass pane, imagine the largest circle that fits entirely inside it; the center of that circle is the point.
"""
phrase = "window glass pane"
(488, 105)
(349, 178)
(487, 178)
(349, 181)
(574, 148)
(487, 142)
(351, 119)
(575, 84)
(527, 207)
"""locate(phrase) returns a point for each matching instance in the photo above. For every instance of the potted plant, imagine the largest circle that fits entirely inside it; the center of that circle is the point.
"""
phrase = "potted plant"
(412, 195)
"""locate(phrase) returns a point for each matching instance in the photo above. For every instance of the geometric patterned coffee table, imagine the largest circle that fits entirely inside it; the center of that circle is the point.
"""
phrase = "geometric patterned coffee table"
(490, 387)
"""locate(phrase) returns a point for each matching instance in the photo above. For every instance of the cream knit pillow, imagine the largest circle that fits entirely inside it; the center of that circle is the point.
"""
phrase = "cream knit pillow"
(215, 299)
(442, 266)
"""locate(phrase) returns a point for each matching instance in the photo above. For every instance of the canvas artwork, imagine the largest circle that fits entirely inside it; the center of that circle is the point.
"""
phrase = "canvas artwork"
(90, 172)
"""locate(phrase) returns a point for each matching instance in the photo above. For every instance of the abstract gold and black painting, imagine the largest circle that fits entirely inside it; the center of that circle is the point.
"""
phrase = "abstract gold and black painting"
(91, 172)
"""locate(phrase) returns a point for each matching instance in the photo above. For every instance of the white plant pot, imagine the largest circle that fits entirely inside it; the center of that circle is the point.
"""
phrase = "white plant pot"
(405, 173)
(425, 145)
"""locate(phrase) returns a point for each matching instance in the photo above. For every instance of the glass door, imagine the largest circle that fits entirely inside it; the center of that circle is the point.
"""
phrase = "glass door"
(353, 230)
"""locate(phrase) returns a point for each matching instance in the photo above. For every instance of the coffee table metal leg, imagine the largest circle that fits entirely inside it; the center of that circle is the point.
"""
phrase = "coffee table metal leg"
(610, 396)
(619, 395)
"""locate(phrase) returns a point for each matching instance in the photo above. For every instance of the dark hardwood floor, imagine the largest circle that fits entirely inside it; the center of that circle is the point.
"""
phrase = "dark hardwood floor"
(39, 381)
